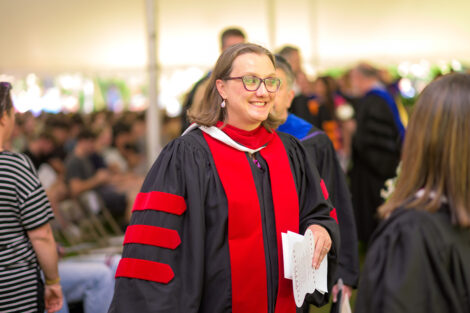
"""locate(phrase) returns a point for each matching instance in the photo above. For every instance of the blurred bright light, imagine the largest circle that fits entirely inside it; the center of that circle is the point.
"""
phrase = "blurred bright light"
(406, 88)
(70, 103)
(29, 99)
(70, 82)
(417, 70)
(138, 102)
(174, 86)
(310, 71)
(404, 68)
(51, 100)
(88, 92)
(170, 104)
(456, 65)
(444, 67)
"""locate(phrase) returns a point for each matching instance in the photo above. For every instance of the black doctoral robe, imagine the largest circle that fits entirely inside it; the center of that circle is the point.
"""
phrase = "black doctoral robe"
(376, 148)
(418, 262)
(321, 148)
(196, 271)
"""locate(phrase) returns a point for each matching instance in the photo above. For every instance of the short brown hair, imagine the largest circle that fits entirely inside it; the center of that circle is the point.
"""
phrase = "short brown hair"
(210, 112)
(230, 32)
(283, 65)
(6, 104)
(286, 51)
(367, 70)
(436, 152)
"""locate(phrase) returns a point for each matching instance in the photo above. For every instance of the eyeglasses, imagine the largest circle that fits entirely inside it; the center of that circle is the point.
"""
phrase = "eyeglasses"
(252, 83)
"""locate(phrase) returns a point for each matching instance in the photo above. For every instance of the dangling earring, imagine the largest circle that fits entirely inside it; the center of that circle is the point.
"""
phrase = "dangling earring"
(222, 105)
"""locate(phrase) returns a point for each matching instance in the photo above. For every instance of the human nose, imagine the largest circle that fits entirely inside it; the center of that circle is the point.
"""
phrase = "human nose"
(262, 91)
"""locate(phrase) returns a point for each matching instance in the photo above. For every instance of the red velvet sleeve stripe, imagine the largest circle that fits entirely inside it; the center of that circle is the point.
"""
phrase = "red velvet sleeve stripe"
(152, 235)
(145, 270)
(334, 215)
(160, 201)
(323, 189)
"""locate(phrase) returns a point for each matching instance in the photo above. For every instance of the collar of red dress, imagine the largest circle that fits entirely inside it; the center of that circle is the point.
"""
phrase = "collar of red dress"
(252, 139)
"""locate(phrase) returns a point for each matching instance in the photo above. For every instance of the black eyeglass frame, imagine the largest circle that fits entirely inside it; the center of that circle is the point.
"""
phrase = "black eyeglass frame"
(261, 80)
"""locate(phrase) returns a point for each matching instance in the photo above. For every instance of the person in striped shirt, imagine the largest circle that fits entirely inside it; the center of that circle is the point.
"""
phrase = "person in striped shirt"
(26, 241)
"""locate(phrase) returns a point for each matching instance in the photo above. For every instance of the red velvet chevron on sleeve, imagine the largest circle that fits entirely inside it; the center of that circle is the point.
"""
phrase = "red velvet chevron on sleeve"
(152, 235)
(160, 201)
(146, 270)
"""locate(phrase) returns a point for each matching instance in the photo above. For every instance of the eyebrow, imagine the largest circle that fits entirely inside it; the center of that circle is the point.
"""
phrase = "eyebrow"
(254, 74)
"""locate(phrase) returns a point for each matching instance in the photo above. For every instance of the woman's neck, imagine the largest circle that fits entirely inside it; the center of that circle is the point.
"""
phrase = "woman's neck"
(240, 125)
(252, 139)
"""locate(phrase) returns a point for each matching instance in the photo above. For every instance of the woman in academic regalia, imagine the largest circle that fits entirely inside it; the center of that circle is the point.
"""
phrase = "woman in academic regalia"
(419, 258)
(205, 231)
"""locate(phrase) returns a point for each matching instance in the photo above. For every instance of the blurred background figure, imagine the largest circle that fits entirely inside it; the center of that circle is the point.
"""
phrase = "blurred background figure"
(376, 145)
(25, 127)
(335, 116)
(228, 37)
(90, 185)
(88, 282)
(303, 88)
(418, 258)
(40, 149)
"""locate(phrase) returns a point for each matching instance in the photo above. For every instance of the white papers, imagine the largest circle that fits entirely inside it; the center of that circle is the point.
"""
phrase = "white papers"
(345, 305)
(298, 253)
(288, 240)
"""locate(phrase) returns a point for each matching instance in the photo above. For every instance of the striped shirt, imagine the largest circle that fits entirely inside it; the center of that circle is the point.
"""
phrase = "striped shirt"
(23, 207)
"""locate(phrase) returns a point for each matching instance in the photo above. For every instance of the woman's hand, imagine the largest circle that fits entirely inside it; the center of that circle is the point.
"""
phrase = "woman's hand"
(322, 244)
(53, 298)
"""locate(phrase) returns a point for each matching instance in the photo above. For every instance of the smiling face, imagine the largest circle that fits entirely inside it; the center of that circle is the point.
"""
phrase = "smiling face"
(247, 109)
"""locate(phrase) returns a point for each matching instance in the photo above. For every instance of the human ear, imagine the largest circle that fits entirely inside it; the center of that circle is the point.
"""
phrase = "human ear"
(290, 97)
(220, 85)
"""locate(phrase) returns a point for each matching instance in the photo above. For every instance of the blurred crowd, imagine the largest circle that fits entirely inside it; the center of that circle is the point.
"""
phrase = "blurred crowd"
(93, 159)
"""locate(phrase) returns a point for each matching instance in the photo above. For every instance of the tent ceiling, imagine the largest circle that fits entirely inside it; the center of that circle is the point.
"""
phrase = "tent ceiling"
(102, 35)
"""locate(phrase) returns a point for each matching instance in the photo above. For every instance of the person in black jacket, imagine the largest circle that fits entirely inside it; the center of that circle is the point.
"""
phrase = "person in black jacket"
(376, 146)
(419, 257)
(228, 37)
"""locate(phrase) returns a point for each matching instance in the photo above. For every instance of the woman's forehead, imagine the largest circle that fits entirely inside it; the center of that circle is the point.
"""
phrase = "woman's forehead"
(252, 63)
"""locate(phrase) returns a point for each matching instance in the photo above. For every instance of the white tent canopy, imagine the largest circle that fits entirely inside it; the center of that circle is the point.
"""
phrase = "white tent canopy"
(110, 35)
(96, 37)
